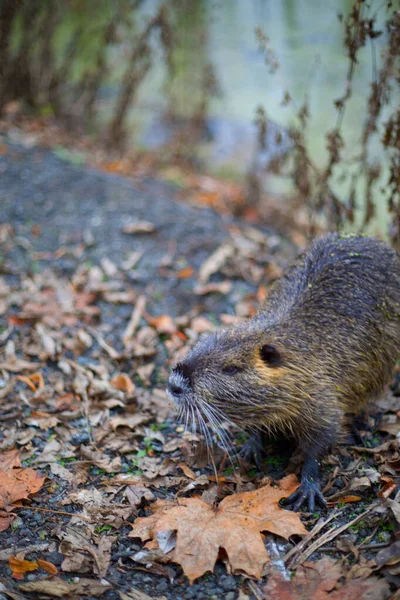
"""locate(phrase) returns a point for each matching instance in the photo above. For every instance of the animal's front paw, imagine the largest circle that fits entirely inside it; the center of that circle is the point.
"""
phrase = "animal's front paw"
(309, 492)
(252, 452)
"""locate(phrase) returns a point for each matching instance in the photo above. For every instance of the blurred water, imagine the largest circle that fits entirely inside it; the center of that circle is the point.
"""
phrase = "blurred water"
(307, 38)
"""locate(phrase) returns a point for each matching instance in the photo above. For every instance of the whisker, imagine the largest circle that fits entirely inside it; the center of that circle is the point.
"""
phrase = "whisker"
(215, 423)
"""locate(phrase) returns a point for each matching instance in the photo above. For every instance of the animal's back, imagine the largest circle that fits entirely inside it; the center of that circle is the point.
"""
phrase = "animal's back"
(342, 299)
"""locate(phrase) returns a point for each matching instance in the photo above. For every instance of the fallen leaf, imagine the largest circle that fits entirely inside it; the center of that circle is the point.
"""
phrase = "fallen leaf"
(16, 484)
(20, 566)
(214, 262)
(185, 273)
(163, 324)
(124, 383)
(222, 287)
(235, 525)
(188, 472)
(9, 460)
(135, 594)
(37, 379)
(28, 382)
(58, 588)
(345, 500)
(108, 464)
(317, 581)
(388, 487)
(139, 227)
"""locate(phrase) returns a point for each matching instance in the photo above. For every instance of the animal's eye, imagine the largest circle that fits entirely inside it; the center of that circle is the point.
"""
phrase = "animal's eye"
(231, 369)
(270, 355)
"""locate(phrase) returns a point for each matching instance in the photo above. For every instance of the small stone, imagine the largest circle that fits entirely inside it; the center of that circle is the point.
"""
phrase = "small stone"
(363, 533)
(162, 587)
(230, 596)
(55, 558)
(228, 583)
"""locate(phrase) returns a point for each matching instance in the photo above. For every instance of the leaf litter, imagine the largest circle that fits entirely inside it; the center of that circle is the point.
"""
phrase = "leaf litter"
(235, 526)
(101, 462)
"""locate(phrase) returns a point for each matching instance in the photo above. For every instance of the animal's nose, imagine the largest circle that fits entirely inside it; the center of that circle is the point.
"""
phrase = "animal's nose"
(174, 388)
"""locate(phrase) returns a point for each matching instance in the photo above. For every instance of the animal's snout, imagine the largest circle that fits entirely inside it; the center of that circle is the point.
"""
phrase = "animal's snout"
(174, 388)
(178, 383)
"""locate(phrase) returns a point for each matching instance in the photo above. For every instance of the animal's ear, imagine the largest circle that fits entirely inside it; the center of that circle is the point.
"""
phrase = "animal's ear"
(270, 355)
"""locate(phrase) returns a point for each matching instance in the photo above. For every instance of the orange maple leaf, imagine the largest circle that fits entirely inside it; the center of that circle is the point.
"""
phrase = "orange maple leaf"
(235, 526)
(16, 483)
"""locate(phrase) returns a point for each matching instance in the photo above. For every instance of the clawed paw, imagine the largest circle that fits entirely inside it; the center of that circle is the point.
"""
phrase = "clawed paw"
(252, 452)
(309, 492)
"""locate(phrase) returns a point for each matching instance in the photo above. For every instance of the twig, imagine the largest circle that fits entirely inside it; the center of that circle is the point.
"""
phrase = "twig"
(56, 512)
(134, 320)
(112, 353)
(256, 590)
(368, 539)
(303, 543)
(367, 547)
(328, 537)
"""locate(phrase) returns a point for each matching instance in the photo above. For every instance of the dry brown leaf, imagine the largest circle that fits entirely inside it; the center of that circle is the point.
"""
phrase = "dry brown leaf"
(236, 525)
(16, 484)
(37, 380)
(318, 580)
(163, 324)
(221, 287)
(185, 273)
(135, 594)
(131, 421)
(215, 261)
(388, 487)
(344, 500)
(139, 227)
(201, 325)
(47, 566)
(26, 380)
(9, 460)
(19, 566)
(16, 365)
(124, 383)
(188, 472)
(108, 464)
(58, 588)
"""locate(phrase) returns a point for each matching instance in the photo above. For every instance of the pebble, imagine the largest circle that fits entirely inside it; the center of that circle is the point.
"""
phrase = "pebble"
(192, 592)
(55, 558)
(162, 586)
(230, 596)
(81, 438)
(228, 583)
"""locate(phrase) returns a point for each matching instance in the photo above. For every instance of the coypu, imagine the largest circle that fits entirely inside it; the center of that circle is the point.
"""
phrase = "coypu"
(323, 345)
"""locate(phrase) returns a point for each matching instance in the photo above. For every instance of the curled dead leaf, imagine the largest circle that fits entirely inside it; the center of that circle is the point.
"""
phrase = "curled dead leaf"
(19, 566)
(163, 324)
(124, 383)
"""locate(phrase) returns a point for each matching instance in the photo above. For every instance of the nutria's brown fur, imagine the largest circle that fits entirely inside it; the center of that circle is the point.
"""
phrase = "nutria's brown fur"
(324, 344)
